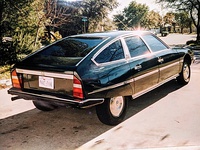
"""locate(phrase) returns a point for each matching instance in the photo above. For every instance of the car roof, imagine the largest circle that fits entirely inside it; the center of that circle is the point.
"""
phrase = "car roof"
(111, 34)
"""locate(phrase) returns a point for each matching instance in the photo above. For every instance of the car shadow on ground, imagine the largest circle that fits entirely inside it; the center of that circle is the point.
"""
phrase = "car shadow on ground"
(66, 128)
(144, 101)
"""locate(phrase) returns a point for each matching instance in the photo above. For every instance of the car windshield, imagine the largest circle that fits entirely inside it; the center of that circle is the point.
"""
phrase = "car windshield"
(68, 51)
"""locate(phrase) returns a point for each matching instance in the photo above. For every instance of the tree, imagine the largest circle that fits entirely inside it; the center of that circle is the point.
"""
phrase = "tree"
(182, 20)
(169, 21)
(57, 14)
(169, 18)
(27, 22)
(153, 20)
(191, 6)
(96, 11)
(132, 16)
(29, 28)
(9, 12)
(15, 24)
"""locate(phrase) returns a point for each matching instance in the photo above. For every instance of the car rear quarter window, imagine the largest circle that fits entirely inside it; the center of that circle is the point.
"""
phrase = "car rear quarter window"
(154, 43)
(111, 53)
(136, 46)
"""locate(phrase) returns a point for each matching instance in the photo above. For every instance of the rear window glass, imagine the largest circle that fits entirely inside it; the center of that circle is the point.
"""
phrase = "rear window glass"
(68, 51)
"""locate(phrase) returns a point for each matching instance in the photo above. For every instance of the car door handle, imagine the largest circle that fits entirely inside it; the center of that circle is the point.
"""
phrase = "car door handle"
(160, 60)
(137, 67)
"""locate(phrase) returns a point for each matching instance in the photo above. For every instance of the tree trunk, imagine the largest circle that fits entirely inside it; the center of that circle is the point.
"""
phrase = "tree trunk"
(1, 18)
(182, 30)
(190, 25)
(198, 33)
(48, 33)
(36, 37)
(198, 26)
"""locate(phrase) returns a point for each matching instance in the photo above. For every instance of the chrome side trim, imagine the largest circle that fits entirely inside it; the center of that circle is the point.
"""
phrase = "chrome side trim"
(48, 74)
(147, 74)
(153, 87)
(112, 86)
(168, 66)
(124, 83)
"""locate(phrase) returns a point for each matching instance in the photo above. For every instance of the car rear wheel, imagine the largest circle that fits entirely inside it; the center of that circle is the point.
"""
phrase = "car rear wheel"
(184, 76)
(44, 106)
(113, 110)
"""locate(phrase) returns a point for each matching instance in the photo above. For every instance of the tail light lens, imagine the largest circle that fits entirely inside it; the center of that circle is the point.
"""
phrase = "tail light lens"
(77, 88)
(16, 79)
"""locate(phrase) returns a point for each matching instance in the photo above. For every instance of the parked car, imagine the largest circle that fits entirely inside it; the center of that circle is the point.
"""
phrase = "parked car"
(99, 69)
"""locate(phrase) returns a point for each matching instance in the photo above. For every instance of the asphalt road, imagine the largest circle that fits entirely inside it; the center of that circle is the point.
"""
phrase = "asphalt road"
(23, 127)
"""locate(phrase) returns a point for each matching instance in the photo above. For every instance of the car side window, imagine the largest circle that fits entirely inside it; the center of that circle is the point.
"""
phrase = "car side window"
(136, 46)
(154, 43)
(112, 53)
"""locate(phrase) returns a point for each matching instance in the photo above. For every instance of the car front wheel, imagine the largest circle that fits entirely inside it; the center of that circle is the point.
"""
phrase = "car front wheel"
(184, 76)
(113, 110)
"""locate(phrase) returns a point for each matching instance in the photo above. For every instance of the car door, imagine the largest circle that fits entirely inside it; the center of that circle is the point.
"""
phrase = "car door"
(144, 65)
(112, 70)
(168, 58)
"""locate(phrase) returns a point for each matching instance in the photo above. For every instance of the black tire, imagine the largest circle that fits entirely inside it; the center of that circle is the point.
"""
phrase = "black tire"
(184, 76)
(44, 106)
(113, 110)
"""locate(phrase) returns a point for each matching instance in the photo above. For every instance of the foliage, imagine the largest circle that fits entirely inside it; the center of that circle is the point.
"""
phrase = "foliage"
(153, 20)
(31, 23)
(96, 12)
(190, 6)
(11, 13)
(132, 16)
(183, 20)
(7, 53)
(169, 18)
(58, 14)
(19, 21)
(5, 72)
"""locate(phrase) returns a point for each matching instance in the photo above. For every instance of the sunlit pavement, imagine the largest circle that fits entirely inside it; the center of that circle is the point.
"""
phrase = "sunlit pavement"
(9, 108)
(170, 123)
(178, 39)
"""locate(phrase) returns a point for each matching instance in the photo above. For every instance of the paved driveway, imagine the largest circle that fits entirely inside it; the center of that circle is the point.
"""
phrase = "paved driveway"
(167, 116)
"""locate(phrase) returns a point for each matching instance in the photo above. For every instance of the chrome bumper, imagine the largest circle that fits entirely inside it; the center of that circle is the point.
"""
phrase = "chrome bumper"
(44, 97)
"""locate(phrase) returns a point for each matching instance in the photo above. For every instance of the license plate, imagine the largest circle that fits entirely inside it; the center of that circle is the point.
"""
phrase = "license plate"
(46, 82)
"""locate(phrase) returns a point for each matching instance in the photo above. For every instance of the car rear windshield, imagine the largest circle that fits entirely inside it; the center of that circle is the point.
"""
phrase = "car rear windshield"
(68, 51)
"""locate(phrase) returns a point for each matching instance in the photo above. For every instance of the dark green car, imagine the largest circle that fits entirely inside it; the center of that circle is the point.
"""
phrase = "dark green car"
(99, 69)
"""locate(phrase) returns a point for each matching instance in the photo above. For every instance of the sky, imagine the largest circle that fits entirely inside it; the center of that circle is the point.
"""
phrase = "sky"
(124, 3)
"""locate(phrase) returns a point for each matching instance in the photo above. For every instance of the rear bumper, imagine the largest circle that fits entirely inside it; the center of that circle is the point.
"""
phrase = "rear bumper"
(19, 94)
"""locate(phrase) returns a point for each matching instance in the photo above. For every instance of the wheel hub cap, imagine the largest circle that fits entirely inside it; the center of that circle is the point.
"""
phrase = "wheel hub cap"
(116, 106)
(186, 73)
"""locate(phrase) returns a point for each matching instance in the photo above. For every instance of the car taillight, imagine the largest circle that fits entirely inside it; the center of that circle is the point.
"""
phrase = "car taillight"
(16, 79)
(77, 88)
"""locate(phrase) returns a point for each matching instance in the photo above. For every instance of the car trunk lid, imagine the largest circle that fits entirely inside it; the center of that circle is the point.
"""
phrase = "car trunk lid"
(65, 83)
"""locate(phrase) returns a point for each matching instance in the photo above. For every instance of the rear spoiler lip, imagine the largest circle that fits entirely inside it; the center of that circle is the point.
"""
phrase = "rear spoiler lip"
(43, 97)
